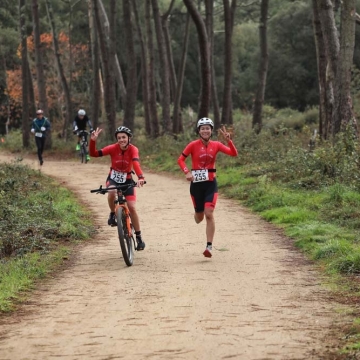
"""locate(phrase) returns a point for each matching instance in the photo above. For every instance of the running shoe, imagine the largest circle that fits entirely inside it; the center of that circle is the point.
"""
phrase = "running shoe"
(208, 252)
(77, 146)
(140, 243)
(112, 219)
(88, 157)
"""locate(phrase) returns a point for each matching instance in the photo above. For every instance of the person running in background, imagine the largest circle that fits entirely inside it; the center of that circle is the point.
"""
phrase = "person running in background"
(39, 127)
(124, 157)
(80, 122)
(203, 187)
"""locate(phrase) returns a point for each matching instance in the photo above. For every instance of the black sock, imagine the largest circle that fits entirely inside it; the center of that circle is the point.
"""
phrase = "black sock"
(208, 244)
(112, 213)
(138, 233)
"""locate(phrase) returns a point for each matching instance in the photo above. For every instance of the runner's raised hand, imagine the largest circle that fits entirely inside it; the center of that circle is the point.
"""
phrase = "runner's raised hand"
(224, 133)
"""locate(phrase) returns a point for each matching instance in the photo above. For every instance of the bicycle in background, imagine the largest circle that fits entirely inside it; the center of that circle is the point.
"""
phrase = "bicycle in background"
(83, 152)
(126, 231)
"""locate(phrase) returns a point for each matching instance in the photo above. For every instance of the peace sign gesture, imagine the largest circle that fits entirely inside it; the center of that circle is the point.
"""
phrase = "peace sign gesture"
(225, 134)
(95, 134)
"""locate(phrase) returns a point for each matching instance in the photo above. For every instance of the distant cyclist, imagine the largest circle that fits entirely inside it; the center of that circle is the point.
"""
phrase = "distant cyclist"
(40, 127)
(80, 122)
(124, 158)
(203, 188)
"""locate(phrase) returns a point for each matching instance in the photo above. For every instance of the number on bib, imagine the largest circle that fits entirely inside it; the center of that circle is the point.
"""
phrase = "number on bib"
(200, 175)
(119, 177)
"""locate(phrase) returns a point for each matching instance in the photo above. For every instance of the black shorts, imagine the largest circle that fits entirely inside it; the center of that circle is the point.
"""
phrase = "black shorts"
(204, 195)
(130, 193)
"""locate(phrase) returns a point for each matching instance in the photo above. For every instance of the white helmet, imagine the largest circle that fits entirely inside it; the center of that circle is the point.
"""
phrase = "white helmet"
(205, 121)
(81, 112)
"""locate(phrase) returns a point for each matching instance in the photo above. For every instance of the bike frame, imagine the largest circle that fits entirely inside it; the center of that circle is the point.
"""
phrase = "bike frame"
(120, 202)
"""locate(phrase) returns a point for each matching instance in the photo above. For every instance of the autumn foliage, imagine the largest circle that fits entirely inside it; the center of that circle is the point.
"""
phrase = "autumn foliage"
(80, 76)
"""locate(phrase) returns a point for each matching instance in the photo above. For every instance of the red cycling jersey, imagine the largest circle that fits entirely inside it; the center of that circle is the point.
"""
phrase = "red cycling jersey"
(121, 160)
(203, 156)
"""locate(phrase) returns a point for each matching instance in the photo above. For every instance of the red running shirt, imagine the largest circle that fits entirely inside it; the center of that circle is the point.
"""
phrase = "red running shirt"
(121, 160)
(203, 157)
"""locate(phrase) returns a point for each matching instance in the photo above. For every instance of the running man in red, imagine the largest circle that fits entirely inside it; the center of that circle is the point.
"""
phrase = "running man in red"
(203, 187)
(124, 158)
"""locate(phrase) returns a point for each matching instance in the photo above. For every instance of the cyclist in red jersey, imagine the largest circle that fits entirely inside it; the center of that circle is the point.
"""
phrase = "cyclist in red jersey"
(124, 158)
(203, 187)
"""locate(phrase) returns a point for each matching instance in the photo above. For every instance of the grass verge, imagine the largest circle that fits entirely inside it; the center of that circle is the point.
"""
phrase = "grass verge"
(39, 224)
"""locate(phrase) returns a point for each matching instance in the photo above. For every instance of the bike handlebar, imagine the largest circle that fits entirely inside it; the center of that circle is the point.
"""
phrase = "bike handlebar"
(123, 188)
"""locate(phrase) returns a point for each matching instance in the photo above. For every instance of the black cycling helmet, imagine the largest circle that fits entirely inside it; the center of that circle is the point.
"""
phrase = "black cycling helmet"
(123, 129)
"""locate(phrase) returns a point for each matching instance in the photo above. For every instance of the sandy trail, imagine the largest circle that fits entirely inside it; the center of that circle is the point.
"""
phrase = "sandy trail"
(258, 299)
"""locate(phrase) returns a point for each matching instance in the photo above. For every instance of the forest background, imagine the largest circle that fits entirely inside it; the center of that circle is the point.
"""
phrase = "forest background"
(283, 76)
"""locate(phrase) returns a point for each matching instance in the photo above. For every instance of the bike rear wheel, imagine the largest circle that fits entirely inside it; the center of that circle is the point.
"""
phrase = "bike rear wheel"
(126, 241)
(82, 154)
(85, 153)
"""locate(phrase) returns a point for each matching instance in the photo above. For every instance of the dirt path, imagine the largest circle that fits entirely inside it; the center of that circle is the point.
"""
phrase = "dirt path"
(257, 300)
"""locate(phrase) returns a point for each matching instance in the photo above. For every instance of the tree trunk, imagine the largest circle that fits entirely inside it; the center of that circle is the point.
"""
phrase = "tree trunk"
(229, 14)
(343, 114)
(111, 80)
(24, 76)
(32, 103)
(167, 39)
(177, 119)
(131, 81)
(321, 66)
(204, 105)
(104, 50)
(209, 19)
(263, 67)
(62, 77)
(118, 72)
(164, 68)
(332, 46)
(43, 104)
(144, 72)
(95, 95)
(155, 131)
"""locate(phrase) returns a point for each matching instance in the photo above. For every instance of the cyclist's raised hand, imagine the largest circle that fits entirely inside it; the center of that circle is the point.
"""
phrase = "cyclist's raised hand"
(95, 134)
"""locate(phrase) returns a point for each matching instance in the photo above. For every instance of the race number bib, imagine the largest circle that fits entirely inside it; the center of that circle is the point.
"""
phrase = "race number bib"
(38, 134)
(200, 175)
(119, 177)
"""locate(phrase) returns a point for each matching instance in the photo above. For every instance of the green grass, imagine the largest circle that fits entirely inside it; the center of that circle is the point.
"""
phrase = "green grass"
(36, 231)
(18, 276)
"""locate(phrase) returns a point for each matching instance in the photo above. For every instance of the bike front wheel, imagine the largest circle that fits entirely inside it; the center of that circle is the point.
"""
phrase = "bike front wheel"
(126, 241)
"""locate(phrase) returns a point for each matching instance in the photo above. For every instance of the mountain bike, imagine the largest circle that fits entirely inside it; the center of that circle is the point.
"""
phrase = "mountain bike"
(126, 231)
(83, 153)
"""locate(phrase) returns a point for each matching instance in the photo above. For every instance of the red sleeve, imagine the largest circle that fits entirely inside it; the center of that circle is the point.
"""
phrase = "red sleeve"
(107, 150)
(182, 158)
(228, 150)
(136, 163)
(92, 149)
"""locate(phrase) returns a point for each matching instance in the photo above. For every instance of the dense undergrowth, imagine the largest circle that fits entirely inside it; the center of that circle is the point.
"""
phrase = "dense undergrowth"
(38, 220)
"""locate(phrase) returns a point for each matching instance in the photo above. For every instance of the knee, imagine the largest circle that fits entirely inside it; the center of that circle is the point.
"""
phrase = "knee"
(209, 214)
(132, 207)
